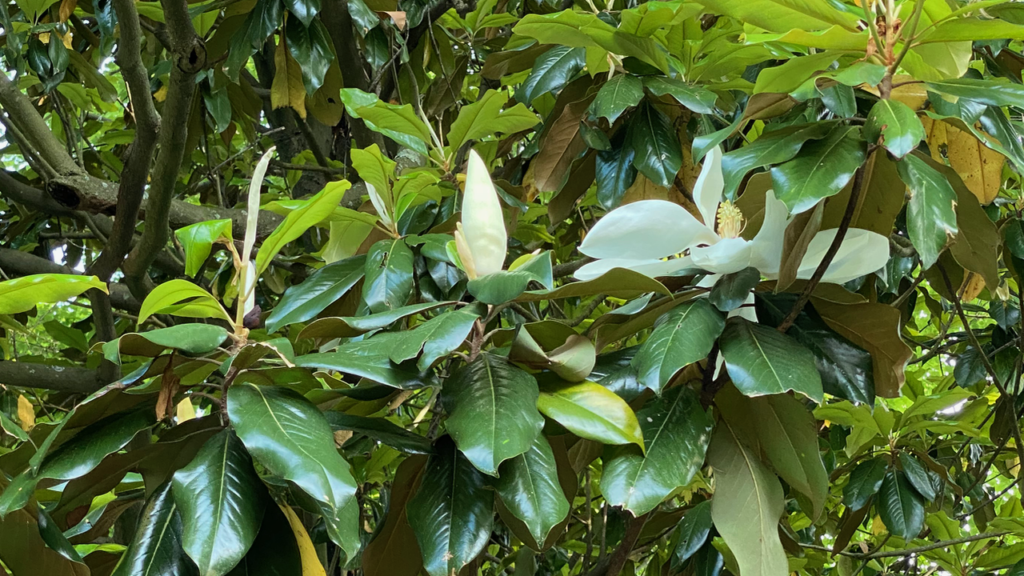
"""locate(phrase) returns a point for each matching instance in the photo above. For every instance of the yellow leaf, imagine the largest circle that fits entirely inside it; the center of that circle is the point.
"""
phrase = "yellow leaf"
(912, 94)
(972, 286)
(877, 526)
(26, 414)
(324, 104)
(161, 94)
(287, 88)
(980, 167)
(185, 411)
(310, 562)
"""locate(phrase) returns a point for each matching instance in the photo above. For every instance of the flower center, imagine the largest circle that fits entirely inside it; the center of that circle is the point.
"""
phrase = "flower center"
(730, 220)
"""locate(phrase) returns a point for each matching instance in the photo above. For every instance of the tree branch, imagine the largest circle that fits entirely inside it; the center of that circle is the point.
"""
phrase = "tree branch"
(140, 154)
(34, 129)
(59, 378)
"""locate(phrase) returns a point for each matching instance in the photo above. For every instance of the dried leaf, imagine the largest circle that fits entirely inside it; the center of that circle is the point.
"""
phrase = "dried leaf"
(287, 88)
(26, 414)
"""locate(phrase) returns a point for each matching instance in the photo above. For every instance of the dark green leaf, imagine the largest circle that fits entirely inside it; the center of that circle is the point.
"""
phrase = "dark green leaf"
(304, 10)
(310, 45)
(821, 170)
(264, 18)
(275, 551)
(551, 72)
(156, 549)
(351, 326)
(917, 475)
(389, 282)
(290, 437)
(691, 532)
(436, 337)
(381, 430)
(762, 361)
(528, 486)
(732, 290)
(900, 506)
(366, 359)
(221, 501)
(865, 481)
(683, 336)
(452, 512)
(659, 155)
(614, 170)
(771, 148)
(676, 432)
(304, 301)
(492, 409)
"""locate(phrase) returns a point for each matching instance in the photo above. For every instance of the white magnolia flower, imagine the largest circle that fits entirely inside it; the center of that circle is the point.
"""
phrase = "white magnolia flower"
(660, 238)
(480, 237)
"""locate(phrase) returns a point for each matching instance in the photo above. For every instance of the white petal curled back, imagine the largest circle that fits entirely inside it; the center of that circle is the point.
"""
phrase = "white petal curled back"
(645, 230)
(651, 268)
(766, 247)
(862, 252)
(707, 191)
(482, 221)
(725, 257)
(378, 205)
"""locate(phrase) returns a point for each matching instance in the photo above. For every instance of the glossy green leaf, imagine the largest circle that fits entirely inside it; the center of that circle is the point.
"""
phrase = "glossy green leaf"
(197, 240)
(616, 96)
(290, 437)
(774, 147)
(551, 72)
(398, 122)
(492, 408)
(506, 285)
(528, 486)
(380, 429)
(747, 505)
(275, 551)
(732, 290)
(894, 125)
(931, 219)
(617, 282)
(221, 501)
(683, 336)
(189, 339)
(76, 457)
(614, 170)
(820, 170)
(327, 285)
(659, 155)
(762, 361)
(591, 411)
(311, 213)
(389, 275)
(691, 532)
(22, 294)
(991, 92)
(846, 369)
(696, 98)
(900, 507)
(304, 10)
(436, 338)
(452, 513)
(366, 359)
(156, 549)
(351, 326)
(865, 481)
(182, 298)
(676, 432)
(917, 476)
(310, 45)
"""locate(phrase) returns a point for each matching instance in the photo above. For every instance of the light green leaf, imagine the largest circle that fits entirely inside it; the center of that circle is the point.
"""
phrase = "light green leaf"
(485, 118)
(22, 294)
(895, 125)
(820, 170)
(181, 298)
(388, 282)
(398, 122)
(313, 211)
(591, 411)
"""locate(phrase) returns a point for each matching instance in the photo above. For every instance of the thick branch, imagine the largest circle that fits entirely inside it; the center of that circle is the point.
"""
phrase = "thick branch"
(32, 126)
(60, 378)
(140, 155)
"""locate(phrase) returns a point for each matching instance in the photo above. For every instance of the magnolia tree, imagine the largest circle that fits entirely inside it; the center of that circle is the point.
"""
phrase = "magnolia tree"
(404, 288)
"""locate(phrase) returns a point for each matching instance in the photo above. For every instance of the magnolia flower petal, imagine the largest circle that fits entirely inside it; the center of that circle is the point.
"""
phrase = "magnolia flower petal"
(248, 288)
(862, 252)
(726, 256)
(652, 268)
(645, 230)
(707, 191)
(482, 220)
(746, 310)
(766, 247)
(465, 255)
(253, 204)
